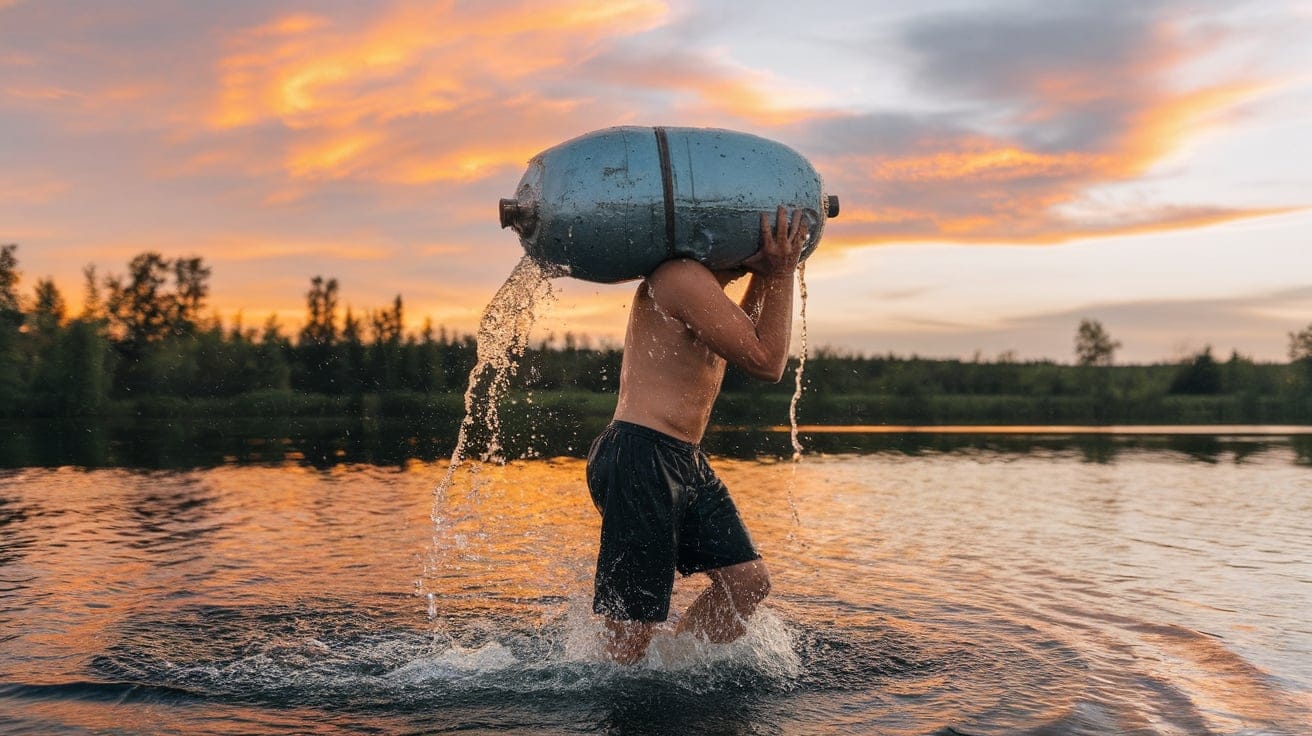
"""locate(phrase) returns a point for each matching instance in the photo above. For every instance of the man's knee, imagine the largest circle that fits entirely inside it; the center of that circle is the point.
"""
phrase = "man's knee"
(748, 583)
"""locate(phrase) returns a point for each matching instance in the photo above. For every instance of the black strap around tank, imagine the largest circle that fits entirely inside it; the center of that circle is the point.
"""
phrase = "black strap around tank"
(667, 184)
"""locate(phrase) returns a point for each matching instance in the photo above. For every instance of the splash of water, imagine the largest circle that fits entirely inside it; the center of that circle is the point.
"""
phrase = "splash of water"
(792, 408)
(801, 367)
(767, 651)
(503, 334)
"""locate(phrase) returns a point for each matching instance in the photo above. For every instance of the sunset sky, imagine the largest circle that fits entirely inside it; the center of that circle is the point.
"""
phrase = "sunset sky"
(1005, 168)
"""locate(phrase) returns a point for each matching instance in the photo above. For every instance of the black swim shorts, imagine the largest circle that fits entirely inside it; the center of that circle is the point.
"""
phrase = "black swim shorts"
(662, 509)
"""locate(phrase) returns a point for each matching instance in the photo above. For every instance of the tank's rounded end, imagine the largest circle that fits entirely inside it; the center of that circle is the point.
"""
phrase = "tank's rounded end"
(831, 207)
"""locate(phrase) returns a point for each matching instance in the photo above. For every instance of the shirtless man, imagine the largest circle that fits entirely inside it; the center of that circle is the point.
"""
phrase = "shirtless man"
(662, 507)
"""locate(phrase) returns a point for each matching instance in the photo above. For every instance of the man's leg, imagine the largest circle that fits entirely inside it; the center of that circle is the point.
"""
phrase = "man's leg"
(627, 641)
(720, 613)
(628, 477)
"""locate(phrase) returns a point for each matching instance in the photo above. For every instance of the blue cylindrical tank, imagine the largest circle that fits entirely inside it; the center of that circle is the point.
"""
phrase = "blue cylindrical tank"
(613, 204)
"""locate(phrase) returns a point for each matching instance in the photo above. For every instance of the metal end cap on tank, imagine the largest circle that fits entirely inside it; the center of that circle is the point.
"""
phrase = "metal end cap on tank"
(516, 216)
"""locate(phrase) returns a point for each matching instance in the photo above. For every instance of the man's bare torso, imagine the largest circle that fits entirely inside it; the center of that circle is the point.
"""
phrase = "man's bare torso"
(669, 379)
(683, 329)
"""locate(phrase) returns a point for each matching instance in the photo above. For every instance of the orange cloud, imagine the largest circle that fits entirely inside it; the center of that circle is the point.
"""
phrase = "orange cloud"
(290, 25)
(332, 157)
(998, 163)
(1162, 127)
(417, 59)
(354, 97)
(460, 166)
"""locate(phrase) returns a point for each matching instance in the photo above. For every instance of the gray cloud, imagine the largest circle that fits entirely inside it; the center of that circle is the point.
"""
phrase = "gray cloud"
(996, 50)
(1041, 105)
(885, 132)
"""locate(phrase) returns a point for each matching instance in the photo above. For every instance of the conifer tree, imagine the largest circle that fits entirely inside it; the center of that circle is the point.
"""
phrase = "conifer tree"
(319, 363)
(11, 317)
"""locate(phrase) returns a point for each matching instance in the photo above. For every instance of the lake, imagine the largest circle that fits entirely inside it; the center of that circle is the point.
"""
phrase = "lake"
(972, 583)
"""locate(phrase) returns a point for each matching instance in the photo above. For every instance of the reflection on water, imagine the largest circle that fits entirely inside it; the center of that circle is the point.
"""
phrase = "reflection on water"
(1150, 585)
(317, 442)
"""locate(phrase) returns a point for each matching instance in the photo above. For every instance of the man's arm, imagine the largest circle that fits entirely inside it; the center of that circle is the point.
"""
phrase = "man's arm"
(689, 291)
(753, 299)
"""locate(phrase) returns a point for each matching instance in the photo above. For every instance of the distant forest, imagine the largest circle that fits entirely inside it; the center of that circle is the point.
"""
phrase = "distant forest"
(144, 344)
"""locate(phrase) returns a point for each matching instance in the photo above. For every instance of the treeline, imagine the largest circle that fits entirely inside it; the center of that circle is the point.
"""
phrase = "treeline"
(146, 334)
(846, 388)
(853, 389)
(145, 339)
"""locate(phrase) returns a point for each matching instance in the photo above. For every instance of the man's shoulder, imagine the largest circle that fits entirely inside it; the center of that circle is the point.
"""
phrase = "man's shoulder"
(680, 270)
(685, 288)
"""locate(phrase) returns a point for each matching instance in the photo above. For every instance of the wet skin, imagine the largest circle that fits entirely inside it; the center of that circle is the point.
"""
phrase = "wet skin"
(683, 330)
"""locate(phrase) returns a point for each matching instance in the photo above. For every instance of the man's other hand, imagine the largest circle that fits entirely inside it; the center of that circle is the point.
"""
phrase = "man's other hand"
(781, 246)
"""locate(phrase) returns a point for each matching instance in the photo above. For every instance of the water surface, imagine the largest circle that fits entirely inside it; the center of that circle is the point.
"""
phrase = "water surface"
(990, 585)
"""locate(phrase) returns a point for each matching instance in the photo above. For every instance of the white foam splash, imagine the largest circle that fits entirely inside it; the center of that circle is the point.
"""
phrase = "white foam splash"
(766, 650)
